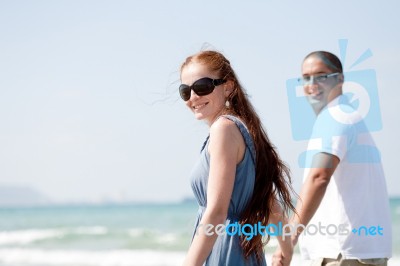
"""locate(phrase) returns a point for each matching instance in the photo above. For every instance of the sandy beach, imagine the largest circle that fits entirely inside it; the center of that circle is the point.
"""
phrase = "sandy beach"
(111, 236)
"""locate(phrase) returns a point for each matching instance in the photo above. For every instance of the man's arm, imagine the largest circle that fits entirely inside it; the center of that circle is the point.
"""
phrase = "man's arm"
(313, 189)
(285, 248)
(311, 194)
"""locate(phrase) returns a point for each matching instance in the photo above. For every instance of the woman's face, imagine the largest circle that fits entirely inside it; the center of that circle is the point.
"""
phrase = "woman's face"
(207, 107)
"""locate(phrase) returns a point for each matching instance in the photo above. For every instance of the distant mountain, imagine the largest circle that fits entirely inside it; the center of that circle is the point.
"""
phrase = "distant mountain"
(190, 199)
(15, 196)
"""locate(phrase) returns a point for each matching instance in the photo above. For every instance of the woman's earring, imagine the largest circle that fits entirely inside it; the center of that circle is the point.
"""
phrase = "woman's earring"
(227, 104)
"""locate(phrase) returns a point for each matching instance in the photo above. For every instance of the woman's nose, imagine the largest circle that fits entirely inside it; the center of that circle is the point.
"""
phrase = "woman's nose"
(193, 94)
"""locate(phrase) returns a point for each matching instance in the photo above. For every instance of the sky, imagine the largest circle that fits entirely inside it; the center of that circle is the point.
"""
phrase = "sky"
(89, 103)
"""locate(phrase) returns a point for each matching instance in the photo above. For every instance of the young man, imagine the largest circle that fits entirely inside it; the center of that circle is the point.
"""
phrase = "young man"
(343, 208)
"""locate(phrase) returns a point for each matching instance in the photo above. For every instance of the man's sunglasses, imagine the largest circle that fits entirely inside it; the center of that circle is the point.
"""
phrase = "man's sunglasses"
(201, 87)
(307, 80)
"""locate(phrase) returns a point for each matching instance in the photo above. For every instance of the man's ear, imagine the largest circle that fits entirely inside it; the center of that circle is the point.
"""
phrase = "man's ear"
(341, 78)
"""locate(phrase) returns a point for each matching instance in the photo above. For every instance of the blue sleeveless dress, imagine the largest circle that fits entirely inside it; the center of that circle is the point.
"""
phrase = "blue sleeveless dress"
(227, 249)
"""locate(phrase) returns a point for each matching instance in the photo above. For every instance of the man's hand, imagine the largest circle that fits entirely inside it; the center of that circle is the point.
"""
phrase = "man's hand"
(280, 259)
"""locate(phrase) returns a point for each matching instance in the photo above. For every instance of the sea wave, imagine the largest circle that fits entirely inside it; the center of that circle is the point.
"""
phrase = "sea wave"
(92, 230)
(95, 238)
(158, 236)
(28, 236)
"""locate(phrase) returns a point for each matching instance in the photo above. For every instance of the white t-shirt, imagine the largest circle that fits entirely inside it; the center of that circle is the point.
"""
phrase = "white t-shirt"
(353, 218)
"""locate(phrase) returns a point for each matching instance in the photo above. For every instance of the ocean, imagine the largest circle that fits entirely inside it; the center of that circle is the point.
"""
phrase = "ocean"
(111, 235)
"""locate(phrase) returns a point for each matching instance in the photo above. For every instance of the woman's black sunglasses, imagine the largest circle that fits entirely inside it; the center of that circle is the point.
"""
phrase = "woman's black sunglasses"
(201, 87)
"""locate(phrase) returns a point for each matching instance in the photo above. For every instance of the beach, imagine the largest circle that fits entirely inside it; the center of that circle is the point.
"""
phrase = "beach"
(113, 235)
(110, 258)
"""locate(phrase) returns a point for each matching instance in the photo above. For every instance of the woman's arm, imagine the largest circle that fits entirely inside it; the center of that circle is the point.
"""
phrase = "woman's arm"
(226, 149)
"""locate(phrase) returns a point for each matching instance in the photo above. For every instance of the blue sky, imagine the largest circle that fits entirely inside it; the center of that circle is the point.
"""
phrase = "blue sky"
(89, 108)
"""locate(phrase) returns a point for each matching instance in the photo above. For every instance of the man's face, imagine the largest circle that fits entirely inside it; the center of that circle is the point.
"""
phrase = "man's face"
(321, 84)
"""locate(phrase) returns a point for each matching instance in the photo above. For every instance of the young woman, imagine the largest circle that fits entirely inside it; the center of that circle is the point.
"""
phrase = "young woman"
(239, 178)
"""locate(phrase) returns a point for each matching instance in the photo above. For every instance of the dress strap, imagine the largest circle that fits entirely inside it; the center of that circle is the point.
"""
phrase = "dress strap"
(205, 143)
(245, 133)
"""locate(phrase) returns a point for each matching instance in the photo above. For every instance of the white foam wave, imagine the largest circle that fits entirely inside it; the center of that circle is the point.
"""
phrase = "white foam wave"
(30, 257)
(167, 238)
(28, 236)
(92, 230)
(136, 232)
(23, 237)
(158, 236)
